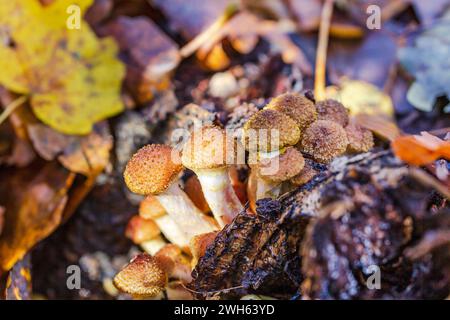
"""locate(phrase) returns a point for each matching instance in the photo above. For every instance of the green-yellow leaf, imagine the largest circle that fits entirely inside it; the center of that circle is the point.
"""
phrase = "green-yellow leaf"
(72, 77)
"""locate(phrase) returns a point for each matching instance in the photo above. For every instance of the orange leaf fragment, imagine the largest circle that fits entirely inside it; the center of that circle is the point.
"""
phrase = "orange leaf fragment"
(421, 149)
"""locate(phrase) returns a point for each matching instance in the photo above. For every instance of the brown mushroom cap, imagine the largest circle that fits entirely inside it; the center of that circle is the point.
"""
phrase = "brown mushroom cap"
(142, 277)
(296, 106)
(290, 163)
(151, 208)
(324, 140)
(332, 110)
(359, 139)
(140, 230)
(308, 172)
(152, 169)
(267, 119)
(209, 148)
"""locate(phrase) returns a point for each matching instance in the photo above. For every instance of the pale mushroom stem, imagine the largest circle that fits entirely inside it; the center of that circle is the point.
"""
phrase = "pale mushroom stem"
(266, 189)
(181, 209)
(154, 245)
(172, 231)
(219, 194)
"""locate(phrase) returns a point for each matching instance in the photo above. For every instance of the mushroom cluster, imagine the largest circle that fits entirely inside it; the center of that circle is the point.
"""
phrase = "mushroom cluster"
(283, 144)
(318, 131)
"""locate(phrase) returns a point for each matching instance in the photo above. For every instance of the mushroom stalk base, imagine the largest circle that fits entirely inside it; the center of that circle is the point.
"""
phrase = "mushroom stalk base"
(186, 215)
(219, 194)
(265, 189)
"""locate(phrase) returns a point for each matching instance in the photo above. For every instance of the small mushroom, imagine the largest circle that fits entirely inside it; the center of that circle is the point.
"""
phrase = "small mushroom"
(332, 110)
(143, 277)
(154, 170)
(268, 131)
(274, 171)
(174, 263)
(324, 140)
(308, 172)
(269, 150)
(140, 230)
(209, 152)
(359, 139)
(150, 208)
(296, 106)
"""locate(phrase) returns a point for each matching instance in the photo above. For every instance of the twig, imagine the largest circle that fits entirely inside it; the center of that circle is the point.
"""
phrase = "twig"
(209, 32)
(322, 46)
(430, 181)
(11, 107)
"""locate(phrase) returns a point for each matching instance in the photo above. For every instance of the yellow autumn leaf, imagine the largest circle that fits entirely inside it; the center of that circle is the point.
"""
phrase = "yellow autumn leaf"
(370, 107)
(361, 97)
(73, 78)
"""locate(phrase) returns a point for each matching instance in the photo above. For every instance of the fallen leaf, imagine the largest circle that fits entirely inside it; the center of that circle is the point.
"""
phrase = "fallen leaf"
(2, 218)
(34, 201)
(19, 149)
(18, 283)
(73, 79)
(150, 55)
(421, 149)
(370, 107)
(89, 155)
(369, 60)
(427, 61)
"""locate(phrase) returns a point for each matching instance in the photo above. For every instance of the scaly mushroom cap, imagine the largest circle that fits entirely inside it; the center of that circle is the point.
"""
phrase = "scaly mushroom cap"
(359, 139)
(290, 163)
(140, 230)
(151, 208)
(296, 106)
(209, 148)
(324, 140)
(142, 277)
(152, 169)
(308, 172)
(267, 119)
(332, 110)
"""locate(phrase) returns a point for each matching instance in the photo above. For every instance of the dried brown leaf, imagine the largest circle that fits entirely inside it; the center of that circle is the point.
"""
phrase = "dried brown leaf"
(34, 201)
(149, 54)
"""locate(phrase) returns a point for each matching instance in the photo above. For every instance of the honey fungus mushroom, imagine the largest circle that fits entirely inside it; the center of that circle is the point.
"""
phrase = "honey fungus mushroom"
(274, 171)
(143, 277)
(324, 140)
(154, 170)
(209, 152)
(269, 131)
(266, 136)
(332, 110)
(297, 107)
(359, 139)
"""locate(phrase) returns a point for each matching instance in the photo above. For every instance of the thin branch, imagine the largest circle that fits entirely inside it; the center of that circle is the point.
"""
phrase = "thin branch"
(322, 46)
(430, 181)
(11, 107)
(208, 33)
